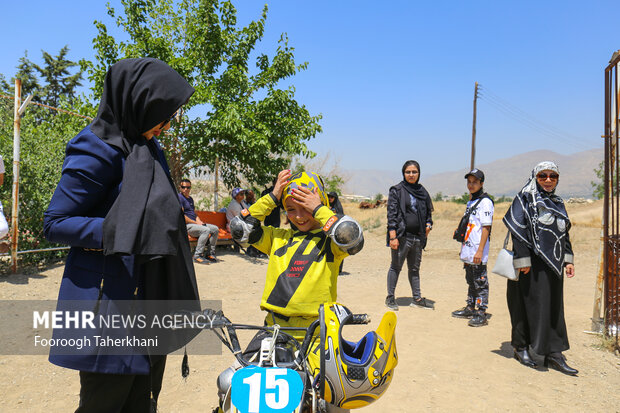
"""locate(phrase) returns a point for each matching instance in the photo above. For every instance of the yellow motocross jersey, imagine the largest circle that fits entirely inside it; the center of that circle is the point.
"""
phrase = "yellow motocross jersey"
(303, 266)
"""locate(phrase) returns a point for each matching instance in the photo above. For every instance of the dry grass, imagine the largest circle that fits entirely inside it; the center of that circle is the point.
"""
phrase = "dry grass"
(608, 343)
(581, 215)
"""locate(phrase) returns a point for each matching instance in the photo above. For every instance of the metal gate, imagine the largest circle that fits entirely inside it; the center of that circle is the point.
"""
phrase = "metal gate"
(611, 209)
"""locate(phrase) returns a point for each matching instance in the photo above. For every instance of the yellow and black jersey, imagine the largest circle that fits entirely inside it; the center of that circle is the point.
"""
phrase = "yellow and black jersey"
(303, 266)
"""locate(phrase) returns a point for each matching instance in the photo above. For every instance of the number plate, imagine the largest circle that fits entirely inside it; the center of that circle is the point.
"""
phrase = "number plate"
(266, 390)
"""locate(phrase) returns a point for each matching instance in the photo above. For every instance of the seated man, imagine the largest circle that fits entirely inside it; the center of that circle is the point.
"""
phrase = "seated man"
(236, 205)
(206, 233)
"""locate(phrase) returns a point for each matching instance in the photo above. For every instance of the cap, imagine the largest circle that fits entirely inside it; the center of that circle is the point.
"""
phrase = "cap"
(236, 192)
(476, 173)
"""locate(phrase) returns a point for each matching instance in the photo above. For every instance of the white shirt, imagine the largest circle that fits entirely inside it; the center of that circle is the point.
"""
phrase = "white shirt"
(482, 216)
(1, 165)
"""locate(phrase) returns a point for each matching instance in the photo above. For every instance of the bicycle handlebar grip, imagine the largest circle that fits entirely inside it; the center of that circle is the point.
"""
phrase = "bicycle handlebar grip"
(360, 319)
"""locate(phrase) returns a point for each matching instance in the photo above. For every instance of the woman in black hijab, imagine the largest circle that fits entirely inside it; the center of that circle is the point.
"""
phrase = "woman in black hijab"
(409, 221)
(539, 225)
(117, 208)
(334, 203)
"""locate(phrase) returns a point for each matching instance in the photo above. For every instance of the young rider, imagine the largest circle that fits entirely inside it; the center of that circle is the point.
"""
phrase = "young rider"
(475, 251)
(304, 260)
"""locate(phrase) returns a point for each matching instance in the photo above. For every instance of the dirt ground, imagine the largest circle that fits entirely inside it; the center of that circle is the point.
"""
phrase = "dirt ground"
(444, 365)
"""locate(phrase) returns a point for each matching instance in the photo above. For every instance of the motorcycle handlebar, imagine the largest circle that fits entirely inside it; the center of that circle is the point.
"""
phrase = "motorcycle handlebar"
(216, 319)
(360, 319)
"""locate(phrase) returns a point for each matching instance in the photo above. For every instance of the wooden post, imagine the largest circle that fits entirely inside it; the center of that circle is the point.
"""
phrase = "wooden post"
(473, 131)
(15, 195)
(215, 197)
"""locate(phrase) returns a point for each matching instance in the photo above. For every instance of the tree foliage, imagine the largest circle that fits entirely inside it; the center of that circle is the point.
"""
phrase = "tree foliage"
(52, 81)
(44, 134)
(598, 188)
(246, 121)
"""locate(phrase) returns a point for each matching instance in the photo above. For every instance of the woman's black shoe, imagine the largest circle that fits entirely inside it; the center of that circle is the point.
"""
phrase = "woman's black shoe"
(558, 362)
(523, 357)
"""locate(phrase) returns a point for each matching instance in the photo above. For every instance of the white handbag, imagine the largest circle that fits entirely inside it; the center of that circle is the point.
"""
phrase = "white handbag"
(504, 265)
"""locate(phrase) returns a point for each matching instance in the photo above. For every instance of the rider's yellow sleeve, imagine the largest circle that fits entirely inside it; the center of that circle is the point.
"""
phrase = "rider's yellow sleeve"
(263, 207)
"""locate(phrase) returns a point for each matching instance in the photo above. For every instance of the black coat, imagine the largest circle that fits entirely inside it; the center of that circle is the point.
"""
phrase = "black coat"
(396, 206)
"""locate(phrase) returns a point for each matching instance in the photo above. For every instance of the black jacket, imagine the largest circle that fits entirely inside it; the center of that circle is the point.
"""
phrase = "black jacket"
(397, 202)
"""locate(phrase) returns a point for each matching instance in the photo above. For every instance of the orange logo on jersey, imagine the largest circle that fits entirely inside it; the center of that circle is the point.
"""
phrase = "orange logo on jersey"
(245, 212)
(329, 223)
(470, 227)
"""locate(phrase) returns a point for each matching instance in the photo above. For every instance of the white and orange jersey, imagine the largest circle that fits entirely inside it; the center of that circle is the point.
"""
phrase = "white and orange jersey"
(482, 216)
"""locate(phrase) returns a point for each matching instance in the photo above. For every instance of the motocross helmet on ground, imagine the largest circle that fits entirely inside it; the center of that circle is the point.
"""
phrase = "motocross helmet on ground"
(354, 375)
(308, 180)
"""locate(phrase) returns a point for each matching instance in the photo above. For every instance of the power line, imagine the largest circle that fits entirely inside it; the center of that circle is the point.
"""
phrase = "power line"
(526, 119)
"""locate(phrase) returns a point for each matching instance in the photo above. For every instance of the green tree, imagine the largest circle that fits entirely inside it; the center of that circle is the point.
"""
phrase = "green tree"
(42, 153)
(598, 188)
(44, 134)
(250, 125)
(333, 183)
(463, 199)
(57, 81)
(438, 197)
(26, 72)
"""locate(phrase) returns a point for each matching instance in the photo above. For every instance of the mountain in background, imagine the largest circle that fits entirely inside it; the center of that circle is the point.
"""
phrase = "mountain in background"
(503, 176)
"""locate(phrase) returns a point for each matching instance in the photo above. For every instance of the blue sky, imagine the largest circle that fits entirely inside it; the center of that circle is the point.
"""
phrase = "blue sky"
(394, 80)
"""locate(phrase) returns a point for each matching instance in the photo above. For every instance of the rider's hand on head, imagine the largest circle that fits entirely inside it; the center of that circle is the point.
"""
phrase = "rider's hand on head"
(281, 182)
(307, 198)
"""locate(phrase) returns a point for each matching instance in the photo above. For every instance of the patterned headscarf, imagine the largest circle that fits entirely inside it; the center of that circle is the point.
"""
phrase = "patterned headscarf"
(539, 219)
(530, 187)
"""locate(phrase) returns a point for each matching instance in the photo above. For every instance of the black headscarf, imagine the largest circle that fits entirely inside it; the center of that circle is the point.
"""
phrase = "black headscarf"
(146, 219)
(417, 190)
(335, 206)
(138, 94)
(539, 220)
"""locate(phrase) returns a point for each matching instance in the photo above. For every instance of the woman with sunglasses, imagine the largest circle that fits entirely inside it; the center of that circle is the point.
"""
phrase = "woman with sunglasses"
(539, 225)
(117, 208)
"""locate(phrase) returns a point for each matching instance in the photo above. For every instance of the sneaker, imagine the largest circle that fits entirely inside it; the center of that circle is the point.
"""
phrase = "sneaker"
(465, 312)
(211, 258)
(390, 303)
(478, 320)
(422, 303)
(200, 260)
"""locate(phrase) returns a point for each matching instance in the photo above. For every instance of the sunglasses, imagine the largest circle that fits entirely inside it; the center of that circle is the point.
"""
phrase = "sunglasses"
(186, 187)
(544, 177)
(167, 121)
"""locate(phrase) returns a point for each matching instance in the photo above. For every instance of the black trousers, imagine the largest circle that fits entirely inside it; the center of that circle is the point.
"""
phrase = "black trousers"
(121, 393)
(536, 305)
(410, 249)
(478, 283)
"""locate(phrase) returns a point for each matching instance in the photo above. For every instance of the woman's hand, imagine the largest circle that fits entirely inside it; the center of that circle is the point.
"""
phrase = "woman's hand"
(281, 182)
(306, 198)
(428, 229)
(525, 270)
(570, 270)
(394, 244)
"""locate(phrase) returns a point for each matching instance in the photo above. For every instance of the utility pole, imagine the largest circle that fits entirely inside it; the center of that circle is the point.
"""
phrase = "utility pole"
(473, 131)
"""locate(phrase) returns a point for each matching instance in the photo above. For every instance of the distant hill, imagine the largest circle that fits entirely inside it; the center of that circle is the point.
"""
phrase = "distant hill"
(503, 176)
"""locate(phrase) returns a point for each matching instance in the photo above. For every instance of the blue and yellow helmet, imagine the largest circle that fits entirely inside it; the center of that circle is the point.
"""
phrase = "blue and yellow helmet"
(308, 180)
(355, 374)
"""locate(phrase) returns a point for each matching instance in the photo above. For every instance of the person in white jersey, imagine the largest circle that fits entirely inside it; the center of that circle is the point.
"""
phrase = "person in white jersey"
(475, 251)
